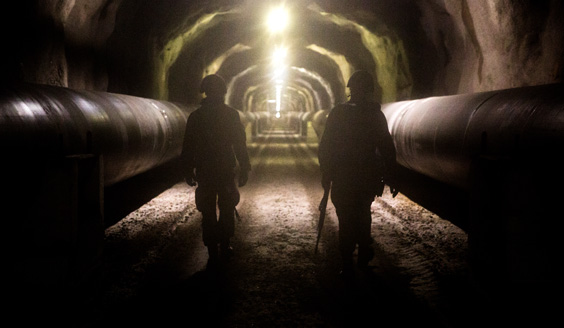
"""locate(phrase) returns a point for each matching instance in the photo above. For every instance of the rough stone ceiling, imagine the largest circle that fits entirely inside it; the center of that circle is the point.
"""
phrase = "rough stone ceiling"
(162, 49)
(232, 38)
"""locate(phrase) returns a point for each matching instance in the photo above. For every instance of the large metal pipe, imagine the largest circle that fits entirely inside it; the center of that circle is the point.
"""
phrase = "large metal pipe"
(503, 150)
(318, 121)
(132, 134)
(441, 137)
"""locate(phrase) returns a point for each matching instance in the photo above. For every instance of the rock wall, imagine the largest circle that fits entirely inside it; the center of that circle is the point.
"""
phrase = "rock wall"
(488, 45)
(472, 46)
(60, 42)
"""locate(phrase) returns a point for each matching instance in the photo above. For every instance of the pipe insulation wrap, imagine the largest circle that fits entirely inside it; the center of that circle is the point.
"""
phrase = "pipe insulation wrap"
(441, 136)
(132, 134)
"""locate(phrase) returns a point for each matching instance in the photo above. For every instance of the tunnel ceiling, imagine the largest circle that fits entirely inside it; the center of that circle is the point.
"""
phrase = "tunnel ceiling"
(162, 49)
(308, 61)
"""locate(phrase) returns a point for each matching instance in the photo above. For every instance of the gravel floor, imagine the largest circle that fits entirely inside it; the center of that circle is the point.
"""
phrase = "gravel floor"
(154, 269)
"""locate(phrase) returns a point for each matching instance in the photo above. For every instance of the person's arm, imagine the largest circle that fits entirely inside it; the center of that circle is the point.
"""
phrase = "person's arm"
(187, 159)
(386, 144)
(387, 150)
(241, 153)
(325, 149)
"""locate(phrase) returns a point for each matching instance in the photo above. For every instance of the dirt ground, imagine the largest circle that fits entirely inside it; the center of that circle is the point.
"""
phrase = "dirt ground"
(155, 262)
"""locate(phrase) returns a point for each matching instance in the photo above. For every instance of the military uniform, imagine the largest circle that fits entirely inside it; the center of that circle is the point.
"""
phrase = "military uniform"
(355, 152)
(214, 141)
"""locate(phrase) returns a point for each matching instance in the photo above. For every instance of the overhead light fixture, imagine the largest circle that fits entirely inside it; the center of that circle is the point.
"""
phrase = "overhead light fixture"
(278, 99)
(277, 19)
(279, 73)
(279, 55)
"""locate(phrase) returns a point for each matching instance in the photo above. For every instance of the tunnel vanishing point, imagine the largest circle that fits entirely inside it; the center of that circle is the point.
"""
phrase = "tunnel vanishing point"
(97, 92)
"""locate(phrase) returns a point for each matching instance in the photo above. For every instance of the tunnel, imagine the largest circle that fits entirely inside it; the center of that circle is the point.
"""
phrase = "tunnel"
(94, 100)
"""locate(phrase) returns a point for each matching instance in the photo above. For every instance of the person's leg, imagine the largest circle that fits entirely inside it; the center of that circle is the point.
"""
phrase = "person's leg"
(206, 204)
(364, 233)
(344, 207)
(364, 238)
(228, 198)
(346, 241)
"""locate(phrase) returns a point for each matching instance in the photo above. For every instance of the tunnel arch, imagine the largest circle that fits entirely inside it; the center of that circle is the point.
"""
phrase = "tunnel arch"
(330, 87)
(156, 49)
(257, 84)
(324, 46)
(450, 47)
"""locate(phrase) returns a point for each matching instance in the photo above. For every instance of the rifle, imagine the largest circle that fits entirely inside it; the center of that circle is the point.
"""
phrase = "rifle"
(322, 209)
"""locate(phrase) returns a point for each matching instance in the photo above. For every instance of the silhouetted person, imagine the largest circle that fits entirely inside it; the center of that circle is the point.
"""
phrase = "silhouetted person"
(213, 144)
(356, 152)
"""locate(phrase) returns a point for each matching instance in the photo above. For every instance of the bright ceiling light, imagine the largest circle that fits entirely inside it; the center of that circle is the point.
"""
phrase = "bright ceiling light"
(279, 55)
(279, 73)
(278, 98)
(277, 19)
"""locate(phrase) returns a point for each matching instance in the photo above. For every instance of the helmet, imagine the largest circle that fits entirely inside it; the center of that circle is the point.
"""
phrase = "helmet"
(361, 80)
(213, 84)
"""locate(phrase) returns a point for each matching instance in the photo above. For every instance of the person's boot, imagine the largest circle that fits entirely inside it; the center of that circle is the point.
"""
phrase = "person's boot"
(347, 269)
(365, 255)
(226, 249)
(213, 257)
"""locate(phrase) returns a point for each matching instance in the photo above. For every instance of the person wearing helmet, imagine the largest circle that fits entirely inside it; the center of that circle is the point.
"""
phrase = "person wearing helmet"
(214, 142)
(356, 152)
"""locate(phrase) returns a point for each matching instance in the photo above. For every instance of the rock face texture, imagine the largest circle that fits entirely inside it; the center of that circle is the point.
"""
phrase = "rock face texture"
(416, 48)
(489, 45)
(60, 42)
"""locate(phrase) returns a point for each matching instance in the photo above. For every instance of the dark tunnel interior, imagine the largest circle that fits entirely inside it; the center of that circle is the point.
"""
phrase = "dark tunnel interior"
(489, 71)
(318, 50)
(416, 49)
(309, 49)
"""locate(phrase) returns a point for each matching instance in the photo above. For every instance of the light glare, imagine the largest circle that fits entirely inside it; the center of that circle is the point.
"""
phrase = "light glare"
(279, 73)
(279, 55)
(278, 98)
(277, 20)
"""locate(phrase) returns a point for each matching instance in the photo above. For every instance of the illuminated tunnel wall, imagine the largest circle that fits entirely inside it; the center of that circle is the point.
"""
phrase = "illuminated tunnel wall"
(162, 49)
(308, 53)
